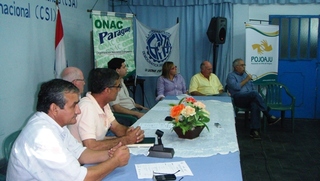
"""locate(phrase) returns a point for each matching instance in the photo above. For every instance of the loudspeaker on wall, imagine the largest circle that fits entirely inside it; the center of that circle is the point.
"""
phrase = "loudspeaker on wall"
(217, 30)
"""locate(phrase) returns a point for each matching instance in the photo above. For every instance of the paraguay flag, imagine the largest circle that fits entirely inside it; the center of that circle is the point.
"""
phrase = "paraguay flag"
(60, 61)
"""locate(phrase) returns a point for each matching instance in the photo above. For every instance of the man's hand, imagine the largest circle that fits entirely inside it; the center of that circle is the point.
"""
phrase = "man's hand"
(113, 149)
(249, 77)
(138, 114)
(122, 155)
(134, 135)
(141, 107)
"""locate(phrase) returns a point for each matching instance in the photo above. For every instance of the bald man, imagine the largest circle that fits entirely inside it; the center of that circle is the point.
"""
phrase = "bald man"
(205, 82)
(75, 76)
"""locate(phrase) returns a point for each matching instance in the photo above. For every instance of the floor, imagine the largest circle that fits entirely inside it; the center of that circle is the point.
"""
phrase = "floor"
(280, 154)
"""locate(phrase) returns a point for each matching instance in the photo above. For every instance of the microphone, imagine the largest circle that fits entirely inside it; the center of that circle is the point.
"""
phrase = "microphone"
(248, 74)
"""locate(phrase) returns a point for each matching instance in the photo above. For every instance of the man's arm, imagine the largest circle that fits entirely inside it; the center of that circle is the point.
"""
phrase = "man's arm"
(221, 89)
(118, 159)
(119, 109)
(193, 87)
(140, 106)
(89, 156)
(232, 83)
(246, 80)
(125, 136)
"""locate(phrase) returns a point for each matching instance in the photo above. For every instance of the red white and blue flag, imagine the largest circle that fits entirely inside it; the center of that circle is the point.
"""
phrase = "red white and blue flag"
(60, 61)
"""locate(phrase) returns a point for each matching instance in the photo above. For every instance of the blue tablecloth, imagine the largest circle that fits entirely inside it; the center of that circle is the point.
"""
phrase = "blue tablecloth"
(218, 167)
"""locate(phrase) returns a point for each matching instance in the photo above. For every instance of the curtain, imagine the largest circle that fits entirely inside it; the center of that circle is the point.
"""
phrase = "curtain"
(195, 46)
(208, 2)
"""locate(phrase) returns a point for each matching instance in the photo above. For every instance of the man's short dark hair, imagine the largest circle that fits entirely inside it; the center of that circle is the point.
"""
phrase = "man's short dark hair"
(53, 91)
(101, 78)
(115, 63)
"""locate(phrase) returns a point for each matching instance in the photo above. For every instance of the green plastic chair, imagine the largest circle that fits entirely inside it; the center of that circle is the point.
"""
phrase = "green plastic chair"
(273, 94)
(125, 119)
(8, 142)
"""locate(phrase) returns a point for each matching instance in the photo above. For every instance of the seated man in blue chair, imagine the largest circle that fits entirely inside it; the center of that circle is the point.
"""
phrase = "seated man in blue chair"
(244, 95)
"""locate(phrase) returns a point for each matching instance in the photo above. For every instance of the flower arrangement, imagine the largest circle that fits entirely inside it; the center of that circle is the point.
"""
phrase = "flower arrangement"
(188, 114)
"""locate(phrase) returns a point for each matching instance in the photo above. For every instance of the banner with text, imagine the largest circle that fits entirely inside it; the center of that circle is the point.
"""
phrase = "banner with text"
(262, 52)
(154, 47)
(113, 37)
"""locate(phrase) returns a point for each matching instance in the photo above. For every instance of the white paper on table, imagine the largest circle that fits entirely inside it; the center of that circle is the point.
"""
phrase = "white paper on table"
(147, 170)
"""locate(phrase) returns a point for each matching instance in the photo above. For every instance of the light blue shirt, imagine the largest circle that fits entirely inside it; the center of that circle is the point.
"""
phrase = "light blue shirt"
(234, 80)
(166, 87)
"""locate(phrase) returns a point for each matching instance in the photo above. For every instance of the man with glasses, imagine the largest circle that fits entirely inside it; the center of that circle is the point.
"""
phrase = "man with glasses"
(124, 103)
(244, 95)
(75, 76)
(96, 117)
(205, 82)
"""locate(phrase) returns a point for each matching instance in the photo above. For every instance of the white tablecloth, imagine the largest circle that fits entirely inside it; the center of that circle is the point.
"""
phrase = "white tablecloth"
(218, 140)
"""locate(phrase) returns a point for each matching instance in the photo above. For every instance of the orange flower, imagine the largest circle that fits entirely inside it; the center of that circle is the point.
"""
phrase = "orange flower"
(175, 111)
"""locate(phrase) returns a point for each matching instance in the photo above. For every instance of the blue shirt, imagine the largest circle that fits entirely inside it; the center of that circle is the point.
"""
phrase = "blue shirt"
(234, 80)
(166, 87)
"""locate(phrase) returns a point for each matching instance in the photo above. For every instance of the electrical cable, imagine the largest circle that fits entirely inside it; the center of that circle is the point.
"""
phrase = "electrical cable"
(90, 10)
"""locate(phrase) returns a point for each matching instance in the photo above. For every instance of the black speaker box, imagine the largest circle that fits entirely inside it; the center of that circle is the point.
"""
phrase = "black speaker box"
(217, 30)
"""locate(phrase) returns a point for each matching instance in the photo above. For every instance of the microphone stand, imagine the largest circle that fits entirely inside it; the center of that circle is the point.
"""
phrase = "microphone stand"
(159, 150)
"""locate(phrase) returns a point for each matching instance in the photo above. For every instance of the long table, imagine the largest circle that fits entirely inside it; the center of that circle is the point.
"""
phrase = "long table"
(213, 160)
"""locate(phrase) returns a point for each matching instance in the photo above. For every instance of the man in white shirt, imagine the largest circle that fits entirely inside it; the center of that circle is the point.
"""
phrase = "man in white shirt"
(45, 149)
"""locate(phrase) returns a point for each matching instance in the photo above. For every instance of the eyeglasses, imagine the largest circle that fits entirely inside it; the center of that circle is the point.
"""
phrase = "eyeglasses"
(242, 65)
(119, 86)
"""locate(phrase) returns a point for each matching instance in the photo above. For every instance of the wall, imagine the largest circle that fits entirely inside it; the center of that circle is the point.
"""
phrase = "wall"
(27, 52)
(242, 13)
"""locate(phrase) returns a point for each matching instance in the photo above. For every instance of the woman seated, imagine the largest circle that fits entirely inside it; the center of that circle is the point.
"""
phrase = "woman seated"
(170, 83)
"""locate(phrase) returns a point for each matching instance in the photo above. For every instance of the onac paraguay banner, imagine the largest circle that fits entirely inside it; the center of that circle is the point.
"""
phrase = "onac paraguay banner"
(112, 37)
(262, 52)
(154, 47)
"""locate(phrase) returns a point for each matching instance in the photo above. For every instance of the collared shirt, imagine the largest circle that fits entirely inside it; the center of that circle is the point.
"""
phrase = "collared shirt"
(93, 122)
(45, 151)
(123, 98)
(234, 80)
(208, 87)
(166, 87)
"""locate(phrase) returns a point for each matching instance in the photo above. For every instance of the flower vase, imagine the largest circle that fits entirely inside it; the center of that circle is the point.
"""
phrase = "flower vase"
(190, 134)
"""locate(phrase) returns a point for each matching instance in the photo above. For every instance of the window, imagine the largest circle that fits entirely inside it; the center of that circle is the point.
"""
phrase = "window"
(298, 36)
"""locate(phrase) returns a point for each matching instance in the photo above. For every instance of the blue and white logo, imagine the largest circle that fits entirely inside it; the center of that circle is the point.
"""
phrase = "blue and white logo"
(158, 48)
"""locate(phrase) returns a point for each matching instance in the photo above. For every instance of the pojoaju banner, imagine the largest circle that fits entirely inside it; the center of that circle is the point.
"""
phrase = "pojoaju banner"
(154, 47)
(113, 37)
(262, 43)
